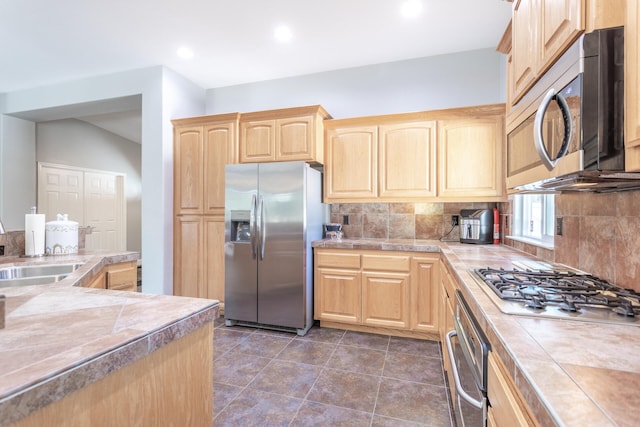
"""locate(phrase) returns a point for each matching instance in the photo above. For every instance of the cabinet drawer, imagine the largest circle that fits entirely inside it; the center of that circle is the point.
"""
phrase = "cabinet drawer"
(386, 262)
(338, 260)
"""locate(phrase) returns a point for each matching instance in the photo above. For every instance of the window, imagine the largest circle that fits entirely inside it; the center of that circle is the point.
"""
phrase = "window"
(533, 218)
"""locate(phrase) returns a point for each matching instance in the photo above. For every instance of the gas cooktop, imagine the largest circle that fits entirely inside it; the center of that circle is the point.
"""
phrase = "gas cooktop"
(549, 291)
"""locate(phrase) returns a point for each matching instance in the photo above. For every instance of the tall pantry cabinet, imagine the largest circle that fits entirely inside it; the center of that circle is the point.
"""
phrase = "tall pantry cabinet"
(203, 146)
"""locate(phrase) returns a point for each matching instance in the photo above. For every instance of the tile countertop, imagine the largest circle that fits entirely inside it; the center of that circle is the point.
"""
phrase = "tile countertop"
(571, 373)
(61, 337)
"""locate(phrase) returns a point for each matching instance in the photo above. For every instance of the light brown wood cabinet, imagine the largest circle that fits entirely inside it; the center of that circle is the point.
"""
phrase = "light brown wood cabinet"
(283, 135)
(448, 287)
(394, 158)
(543, 29)
(389, 291)
(203, 146)
(632, 86)
(121, 276)
(389, 158)
(507, 407)
(470, 163)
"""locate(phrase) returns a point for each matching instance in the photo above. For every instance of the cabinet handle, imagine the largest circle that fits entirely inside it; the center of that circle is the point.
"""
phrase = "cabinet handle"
(456, 376)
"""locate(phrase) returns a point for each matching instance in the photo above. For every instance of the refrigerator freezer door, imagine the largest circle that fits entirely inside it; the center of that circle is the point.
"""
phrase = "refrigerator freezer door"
(281, 270)
(241, 268)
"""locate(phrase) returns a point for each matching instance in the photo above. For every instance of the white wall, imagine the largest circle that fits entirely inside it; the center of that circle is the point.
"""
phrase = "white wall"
(444, 81)
(72, 142)
(17, 170)
(159, 89)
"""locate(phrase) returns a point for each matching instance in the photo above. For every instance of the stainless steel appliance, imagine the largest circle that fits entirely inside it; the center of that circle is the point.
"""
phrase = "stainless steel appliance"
(468, 351)
(273, 211)
(567, 133)
(543, 290)
(476, 226)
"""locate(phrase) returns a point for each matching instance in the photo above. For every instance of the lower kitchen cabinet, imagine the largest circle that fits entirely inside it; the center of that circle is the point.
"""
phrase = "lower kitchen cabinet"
(506, 405)
(447, 302)
(197, 246)
(374, 291)
(121, 276)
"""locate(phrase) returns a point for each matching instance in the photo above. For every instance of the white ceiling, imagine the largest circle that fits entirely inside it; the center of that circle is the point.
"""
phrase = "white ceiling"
(44, 42)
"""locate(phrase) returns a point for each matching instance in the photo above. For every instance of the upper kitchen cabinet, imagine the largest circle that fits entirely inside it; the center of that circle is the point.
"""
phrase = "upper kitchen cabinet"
(632, 87)
(202, 148)
(283, 135)
(470, 161)
(380, 158)
(543, 29)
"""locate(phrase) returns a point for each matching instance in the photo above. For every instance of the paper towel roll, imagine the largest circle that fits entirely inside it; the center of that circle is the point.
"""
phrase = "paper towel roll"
(34, 234)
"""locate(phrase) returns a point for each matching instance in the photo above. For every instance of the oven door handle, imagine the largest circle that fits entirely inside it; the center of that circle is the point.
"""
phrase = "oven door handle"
(456, 376)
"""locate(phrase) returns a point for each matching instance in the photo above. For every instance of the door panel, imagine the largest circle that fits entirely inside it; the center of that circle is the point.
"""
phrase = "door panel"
(281, 281)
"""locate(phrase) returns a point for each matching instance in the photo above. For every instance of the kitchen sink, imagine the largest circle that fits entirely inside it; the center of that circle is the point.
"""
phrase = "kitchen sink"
(35, 274)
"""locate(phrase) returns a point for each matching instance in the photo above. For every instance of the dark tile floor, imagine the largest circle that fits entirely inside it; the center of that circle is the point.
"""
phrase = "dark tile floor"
(329, 377)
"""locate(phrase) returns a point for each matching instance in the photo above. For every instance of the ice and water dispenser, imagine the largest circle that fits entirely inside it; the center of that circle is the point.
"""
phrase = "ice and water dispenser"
(240, 226)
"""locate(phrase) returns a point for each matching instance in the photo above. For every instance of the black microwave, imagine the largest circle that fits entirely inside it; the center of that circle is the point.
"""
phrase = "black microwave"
(568, 132)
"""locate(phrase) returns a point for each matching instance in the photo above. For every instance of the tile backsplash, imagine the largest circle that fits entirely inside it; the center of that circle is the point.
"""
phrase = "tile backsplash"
(600, 235)
(400, 220)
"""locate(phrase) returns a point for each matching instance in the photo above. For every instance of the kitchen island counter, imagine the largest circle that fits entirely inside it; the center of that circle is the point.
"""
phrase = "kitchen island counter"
(569, 372)
(60, 338)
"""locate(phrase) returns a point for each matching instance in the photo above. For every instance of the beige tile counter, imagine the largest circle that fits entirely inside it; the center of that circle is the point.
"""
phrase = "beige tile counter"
(59, 338)
(570, 372)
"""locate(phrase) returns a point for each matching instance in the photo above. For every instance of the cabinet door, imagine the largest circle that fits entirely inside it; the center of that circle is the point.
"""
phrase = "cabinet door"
(508, 407)
(219, 143)
(214, 258)
(352, 163)
(188, 250)
(337, 296)
(188, 170)
(470, 157)
(424, 294)
(561, 24)
(295, 139)
(632, 87)
(525, 45)
(407, 160)
(385, 299)
(122, 276)
(257, 141)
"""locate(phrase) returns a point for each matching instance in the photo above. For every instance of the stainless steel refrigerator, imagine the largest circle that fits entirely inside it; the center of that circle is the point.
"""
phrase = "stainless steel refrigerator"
(273, 211)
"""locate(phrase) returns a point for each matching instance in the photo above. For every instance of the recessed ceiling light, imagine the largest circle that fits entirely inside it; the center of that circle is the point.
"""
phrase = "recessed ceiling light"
(411, 8)
(184, 52)
(283, 33)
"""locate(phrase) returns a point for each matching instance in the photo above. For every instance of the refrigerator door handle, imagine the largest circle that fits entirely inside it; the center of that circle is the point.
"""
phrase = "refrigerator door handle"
(261, 224)
(252, 227)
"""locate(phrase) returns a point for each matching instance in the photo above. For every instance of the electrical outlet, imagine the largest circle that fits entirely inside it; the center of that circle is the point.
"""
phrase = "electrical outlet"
(455, 220)
(1, 250)
(559, 226)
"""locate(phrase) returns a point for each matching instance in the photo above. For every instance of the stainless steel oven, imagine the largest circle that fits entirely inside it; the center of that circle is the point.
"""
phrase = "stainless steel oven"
(468, 351)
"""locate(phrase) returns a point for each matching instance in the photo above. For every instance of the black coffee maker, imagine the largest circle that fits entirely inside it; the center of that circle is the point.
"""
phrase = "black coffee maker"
(476, 226)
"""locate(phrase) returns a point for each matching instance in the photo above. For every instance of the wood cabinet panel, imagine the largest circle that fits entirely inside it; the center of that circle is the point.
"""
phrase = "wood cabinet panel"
(151, 391)
(188, 170)
(351, 171)
(470, 157)
(257, 141)
(219, 150)
(561, 24)
(387, 291)
(425, 294)
(188, 264)
(407, 153)
(385, 299)
(507, 407)
(338, 296)
(525, 55)
(98, 282)
(283, 135)
(213, 258)
(122, 276)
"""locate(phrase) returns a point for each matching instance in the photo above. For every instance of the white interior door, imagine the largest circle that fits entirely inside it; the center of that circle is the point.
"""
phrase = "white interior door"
(92, 198)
